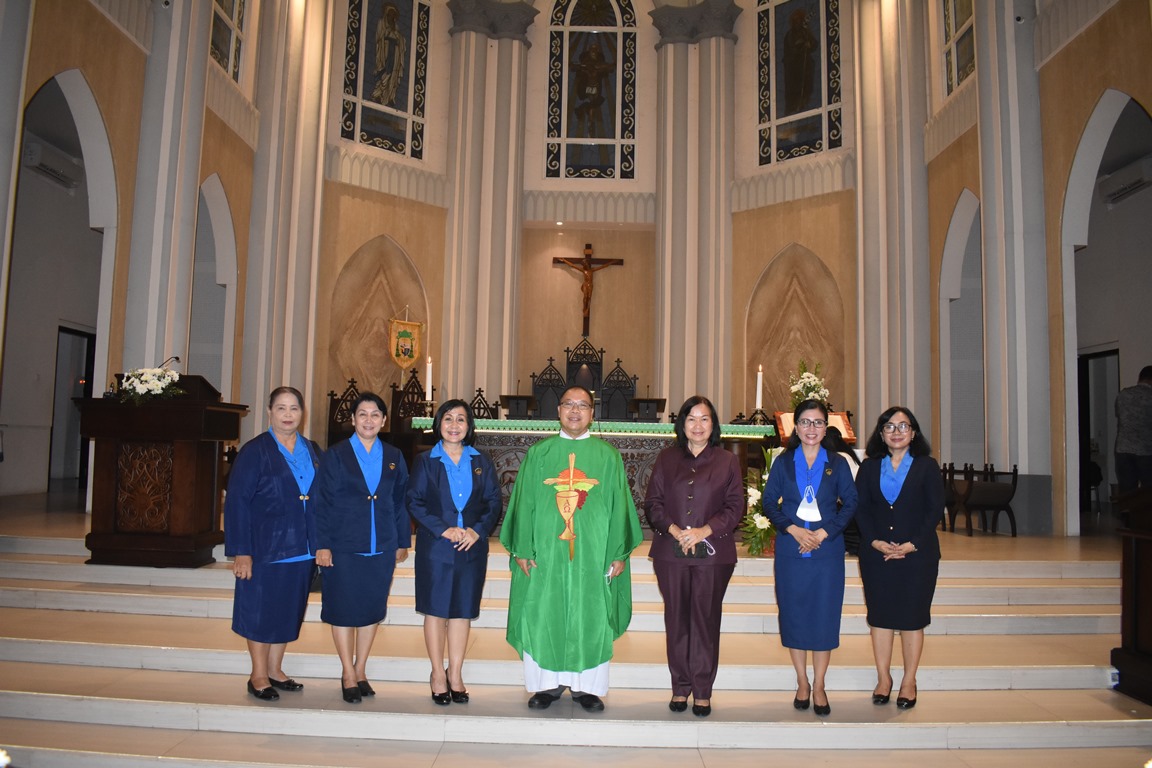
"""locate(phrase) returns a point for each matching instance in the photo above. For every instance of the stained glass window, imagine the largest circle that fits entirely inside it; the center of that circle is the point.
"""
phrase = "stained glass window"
(959, 48)
(227, 40)
(591, 121)
(386, 74)
(800, 102)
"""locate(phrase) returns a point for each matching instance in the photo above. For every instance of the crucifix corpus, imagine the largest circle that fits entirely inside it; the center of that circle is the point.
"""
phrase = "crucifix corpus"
(588, 266)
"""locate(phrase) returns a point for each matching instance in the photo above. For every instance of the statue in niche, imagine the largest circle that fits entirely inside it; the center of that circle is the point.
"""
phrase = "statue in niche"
(391, 47)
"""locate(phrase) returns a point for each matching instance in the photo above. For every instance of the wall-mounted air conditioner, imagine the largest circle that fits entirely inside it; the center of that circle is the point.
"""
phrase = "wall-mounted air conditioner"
(1125, 182)
(52, 162)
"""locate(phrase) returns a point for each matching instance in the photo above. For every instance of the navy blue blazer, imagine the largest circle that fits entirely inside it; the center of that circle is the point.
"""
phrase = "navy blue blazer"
(431, 506)
(343, 502)
(912, 518)
(836, 485)
(265, 515)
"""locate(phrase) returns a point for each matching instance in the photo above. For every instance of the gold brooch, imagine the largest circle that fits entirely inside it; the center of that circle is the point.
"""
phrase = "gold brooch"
(828, 472)
(392, 465)
(477, 470)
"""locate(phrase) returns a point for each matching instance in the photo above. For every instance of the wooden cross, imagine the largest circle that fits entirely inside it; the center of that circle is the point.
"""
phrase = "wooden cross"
(588, 266)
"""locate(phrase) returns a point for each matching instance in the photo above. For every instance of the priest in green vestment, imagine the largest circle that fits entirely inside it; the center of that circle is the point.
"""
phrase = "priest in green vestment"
(570, 528)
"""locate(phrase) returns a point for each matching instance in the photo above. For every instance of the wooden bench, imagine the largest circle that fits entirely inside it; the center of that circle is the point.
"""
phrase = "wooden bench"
(985, 492)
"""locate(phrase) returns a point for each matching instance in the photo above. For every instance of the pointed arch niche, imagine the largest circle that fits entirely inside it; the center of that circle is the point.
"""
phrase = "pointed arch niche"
(962, 433)
(376, 284)
(795, 312)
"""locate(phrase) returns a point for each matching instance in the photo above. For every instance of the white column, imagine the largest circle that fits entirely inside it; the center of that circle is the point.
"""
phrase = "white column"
(167, 185)
(695, 61)
(894, 288)
(1012, 226)
(485, 170)
(292, 94)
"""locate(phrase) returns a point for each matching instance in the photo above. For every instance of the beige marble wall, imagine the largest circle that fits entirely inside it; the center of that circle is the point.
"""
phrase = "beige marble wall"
(623, 312)
(377, 253)
(1115, 52)
(794, 296)
(228, 156)
(67, 34)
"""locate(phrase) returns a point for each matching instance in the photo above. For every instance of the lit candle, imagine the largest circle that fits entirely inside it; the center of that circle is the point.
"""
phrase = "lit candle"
(428, 380)
(759, 386)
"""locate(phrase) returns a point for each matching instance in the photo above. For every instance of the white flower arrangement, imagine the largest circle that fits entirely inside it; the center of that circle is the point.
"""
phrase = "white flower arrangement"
(140, 385)
(808, 385)
(4, 759)
(759, 534)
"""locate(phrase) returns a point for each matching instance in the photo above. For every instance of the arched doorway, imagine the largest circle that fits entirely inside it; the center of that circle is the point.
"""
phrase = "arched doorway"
(63, 240)
(1107, 224)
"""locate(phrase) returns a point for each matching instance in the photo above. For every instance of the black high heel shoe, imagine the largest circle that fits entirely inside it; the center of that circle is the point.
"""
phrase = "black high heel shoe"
(264, 694)
(800, 703)
(678, 706)
(882, 698)
(351, 695)
(821, 709)
(442, 699)
(903, 702)
(365, 688)
(458, 697)
(701, 710)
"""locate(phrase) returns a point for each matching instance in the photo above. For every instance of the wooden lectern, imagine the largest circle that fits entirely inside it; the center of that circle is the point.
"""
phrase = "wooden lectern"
(1133, 659)
(156, 497)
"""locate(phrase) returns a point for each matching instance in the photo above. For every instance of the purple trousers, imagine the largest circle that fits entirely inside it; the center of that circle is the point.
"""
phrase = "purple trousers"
(693, 605)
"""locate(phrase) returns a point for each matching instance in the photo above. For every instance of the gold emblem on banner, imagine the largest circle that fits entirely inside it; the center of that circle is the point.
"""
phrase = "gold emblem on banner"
(404, 342)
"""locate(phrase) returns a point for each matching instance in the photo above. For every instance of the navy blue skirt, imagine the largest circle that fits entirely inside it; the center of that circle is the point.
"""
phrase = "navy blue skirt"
(451, 590)
(269, 607)
(355, 589)
(810, 594)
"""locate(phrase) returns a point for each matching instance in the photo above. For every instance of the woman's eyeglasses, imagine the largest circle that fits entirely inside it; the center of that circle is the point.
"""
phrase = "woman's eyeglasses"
(818, 423)
(902, 427)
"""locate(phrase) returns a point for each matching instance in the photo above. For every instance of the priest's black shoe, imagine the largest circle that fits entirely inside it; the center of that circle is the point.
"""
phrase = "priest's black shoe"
(286, 685)
(264, 694)
(351, 695)
(365, 688)
(541, 700)
(590, 701)
(678, 706)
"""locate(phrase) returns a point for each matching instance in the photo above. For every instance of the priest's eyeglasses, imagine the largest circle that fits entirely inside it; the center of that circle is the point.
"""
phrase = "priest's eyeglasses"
(818, 423)
(902, 427)
(578, 405)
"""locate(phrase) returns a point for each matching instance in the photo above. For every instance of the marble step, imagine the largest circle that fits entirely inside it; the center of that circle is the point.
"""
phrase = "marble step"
(647, 616)
(977, 567)
(747, 661)
(48, 744)
(497, 714)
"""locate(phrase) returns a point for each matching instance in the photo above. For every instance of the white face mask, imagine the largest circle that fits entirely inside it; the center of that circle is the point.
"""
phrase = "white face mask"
(809, 510)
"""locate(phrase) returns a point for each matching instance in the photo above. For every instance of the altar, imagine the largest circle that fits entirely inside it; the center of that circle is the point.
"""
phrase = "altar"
(505, 441)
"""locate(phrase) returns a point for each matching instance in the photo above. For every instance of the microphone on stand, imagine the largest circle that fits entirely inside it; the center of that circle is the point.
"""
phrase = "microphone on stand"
(173, 359)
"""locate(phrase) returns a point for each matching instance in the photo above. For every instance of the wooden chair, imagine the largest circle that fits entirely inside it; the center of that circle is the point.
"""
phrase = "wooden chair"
(957, 491)
(992, 493)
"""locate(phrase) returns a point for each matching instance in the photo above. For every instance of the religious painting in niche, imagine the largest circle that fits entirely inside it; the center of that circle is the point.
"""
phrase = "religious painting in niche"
(385, 75)
(800, 109)
(591, 120)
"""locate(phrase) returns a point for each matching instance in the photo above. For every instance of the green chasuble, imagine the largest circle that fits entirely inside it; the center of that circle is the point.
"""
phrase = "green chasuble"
(565, 614)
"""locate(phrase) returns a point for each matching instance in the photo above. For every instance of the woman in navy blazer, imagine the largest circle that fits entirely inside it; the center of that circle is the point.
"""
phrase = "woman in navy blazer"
(901, 501)
(695, 500)
(270, 532)
(454, 497)
(810, 497)
(363, 532)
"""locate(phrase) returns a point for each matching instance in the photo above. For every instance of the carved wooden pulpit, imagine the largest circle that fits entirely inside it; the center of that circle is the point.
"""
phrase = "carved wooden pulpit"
(157, 476)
